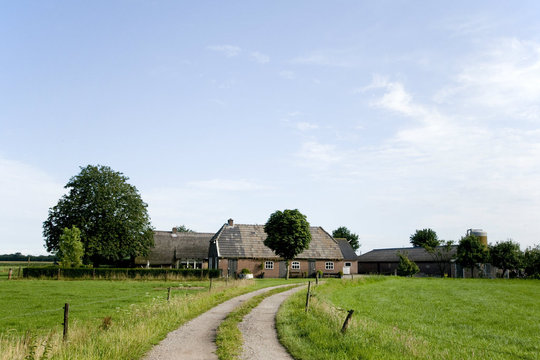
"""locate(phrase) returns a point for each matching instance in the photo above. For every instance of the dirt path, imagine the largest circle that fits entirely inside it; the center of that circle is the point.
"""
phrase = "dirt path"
(195, 340)
(259, 330)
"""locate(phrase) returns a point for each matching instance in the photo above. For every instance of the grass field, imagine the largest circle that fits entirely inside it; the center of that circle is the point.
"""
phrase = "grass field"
(31, 314)
(415, 318)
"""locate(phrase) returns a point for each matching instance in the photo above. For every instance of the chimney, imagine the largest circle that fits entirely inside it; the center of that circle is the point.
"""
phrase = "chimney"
(174, 230)
(231, 222)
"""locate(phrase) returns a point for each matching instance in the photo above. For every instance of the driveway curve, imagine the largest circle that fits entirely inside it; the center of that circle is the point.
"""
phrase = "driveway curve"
(259, 330)
(195, 340)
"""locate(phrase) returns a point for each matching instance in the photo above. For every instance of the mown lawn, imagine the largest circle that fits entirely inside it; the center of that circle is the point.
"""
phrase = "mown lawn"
(415, 318)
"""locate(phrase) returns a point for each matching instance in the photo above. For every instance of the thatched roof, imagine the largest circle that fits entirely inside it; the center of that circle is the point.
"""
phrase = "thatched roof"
(247, 241)
(169, 247)
(416, 254)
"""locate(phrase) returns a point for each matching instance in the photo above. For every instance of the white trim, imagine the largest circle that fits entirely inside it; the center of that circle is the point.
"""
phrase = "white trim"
(269, 265)
(329, 265)
(295, 265)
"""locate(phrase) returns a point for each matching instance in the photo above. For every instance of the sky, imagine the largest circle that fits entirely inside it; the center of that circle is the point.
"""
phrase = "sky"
(381, 116)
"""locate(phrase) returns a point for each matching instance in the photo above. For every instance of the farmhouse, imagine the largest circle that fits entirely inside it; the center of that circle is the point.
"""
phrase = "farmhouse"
(178, 250)
(385, 261)
(237, 246)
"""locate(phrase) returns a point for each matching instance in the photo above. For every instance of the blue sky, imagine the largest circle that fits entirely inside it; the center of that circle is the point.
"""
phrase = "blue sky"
(385, 117)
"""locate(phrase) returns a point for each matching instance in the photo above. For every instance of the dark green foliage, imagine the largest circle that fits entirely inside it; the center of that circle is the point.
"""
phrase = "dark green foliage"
(287, 234)
(245, 271)
(471, 252)
(406, 267)
(426, 238)
(505, 255)
(109, 273)
(531, 262)
(183, 228)
(343, 233)
(110, 213)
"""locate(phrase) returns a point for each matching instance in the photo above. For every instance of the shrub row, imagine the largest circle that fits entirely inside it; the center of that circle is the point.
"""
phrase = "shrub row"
(110, 273)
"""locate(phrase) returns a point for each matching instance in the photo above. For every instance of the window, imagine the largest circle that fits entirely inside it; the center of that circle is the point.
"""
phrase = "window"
(329, 265)
(268, 265)
(295, 265)
(348, 264)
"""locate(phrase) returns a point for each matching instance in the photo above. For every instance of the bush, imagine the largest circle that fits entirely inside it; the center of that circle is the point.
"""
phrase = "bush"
(246, 271)
(406, 267)
(111, 273)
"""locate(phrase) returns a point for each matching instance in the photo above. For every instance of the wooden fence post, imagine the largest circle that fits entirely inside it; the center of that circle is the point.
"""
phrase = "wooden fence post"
(346, 323)
(317, 278)
(58, 275)
(66, 320)
(308, 295)
(168, 294)
(10, 272)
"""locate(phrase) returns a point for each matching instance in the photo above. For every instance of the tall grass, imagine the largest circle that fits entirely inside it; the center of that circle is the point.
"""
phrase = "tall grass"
(414, 318)
(131, 332)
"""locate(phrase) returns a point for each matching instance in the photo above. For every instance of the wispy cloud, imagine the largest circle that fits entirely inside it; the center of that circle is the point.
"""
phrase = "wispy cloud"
(227, 50)
(260, 57)
(306, 126)
(333, 58)
(227, 185)
(287, 74)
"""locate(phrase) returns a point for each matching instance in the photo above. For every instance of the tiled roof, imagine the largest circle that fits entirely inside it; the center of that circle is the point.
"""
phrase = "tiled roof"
(247, 241)
(346, 249)
(391, 255)
(184, 245)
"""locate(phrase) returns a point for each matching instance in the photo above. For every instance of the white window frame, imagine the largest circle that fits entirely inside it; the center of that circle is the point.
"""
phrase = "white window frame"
(295, 265)
(268, 265)
(329, 265)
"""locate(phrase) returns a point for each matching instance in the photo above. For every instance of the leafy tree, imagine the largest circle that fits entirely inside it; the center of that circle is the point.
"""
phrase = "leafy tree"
(426, 238)
(531, 262)
(110, 213)
(71, 248)
(183, 228)
(471, 252)
(440, 250)
(343, 233)
(406, 267)
(505, 255)
(287, 234)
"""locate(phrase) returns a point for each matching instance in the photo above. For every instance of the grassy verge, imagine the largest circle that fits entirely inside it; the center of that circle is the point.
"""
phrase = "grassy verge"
(229, 338)
(414, 318)
(133, 328)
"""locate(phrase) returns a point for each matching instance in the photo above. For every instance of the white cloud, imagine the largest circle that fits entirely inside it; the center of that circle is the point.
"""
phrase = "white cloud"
(27, 193)
(260, 58)
(306, 126)
(227, 50)
(504, 78)
(333, 58)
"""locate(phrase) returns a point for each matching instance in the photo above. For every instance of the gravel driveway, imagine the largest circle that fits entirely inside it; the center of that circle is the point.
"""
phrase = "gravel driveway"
(259, 330)
(195, 340)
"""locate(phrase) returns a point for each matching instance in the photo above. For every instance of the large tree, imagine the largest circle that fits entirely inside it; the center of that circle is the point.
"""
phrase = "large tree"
(287, 234)
(343, 233)
(440, 250)
(471, 252)
(426, 238)
(110, 213)
(505, 255)
(71, 249)
(531, 262)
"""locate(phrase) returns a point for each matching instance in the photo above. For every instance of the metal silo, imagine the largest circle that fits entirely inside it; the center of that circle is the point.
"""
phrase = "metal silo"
(481, 234)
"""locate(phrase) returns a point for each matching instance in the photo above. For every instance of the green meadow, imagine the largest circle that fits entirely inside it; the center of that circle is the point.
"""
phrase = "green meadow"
(140, 316)
(415, 318)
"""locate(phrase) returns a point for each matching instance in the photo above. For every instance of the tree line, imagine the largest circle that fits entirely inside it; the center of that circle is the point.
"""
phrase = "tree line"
(472, 253)
(20, 257)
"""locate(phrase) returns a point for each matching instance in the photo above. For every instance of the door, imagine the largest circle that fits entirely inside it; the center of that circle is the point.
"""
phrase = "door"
(312, 268)
(347, 268)
(233, 267)
(282, 269)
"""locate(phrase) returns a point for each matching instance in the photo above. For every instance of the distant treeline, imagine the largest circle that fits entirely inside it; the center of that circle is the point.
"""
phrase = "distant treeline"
(20, 257)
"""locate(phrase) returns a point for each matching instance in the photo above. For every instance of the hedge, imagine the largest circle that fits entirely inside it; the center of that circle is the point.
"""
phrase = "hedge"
(110, 273)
